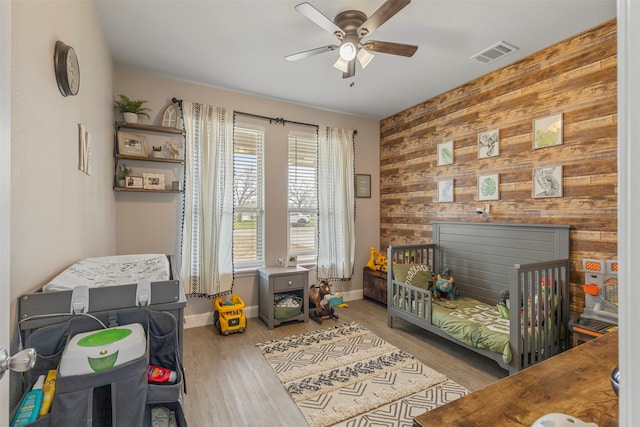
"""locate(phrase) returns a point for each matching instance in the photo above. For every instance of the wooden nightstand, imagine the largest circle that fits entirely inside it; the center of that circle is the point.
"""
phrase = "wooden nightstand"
(374, 285)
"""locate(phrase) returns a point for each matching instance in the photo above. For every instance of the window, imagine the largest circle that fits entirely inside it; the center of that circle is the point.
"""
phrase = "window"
(303, 195)
(248, 196)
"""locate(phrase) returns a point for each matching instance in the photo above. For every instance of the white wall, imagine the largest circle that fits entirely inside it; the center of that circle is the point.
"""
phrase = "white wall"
(58, 214)
(146, 222)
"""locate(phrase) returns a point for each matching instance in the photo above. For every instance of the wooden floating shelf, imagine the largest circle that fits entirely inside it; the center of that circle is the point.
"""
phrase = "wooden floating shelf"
(142, 190)
(149, 159)
(150, 128)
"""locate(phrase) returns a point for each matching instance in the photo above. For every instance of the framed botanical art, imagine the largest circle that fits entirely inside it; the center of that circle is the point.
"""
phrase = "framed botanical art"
(547, 182)
(488, 187)
(445, 190)
(445, 153)
(131, 144)
(547, 131)
(489, 144)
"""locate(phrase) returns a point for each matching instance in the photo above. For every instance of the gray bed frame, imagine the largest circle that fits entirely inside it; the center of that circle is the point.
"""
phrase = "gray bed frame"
(487, 259)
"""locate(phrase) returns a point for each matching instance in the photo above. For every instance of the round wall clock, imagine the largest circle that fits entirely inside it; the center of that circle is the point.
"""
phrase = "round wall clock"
(65, 62)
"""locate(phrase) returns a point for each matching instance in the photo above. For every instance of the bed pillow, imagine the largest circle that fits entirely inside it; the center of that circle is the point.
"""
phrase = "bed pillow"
(417, 275)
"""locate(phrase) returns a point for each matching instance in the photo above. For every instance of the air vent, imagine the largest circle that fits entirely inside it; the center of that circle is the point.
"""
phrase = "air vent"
(494, 52)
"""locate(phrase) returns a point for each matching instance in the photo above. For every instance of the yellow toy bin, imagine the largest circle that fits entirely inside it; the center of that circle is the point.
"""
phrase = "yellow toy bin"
(228, 316)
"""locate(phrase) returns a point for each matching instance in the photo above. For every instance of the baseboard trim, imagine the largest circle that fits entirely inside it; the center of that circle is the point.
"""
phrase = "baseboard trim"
(206, 318)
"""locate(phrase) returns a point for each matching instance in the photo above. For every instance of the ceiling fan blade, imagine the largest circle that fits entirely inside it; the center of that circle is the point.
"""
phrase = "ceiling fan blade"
(319, 19)
(351, 70)
(382, 15)
(391, 48)
(310, 52)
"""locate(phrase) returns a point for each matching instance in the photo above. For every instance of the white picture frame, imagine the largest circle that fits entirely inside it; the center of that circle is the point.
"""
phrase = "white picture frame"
(153, 181)
(133, 182)
(547, 131)
(546, 182)
(489, 187)
(489, 144)
(445, 191)
(445, 153)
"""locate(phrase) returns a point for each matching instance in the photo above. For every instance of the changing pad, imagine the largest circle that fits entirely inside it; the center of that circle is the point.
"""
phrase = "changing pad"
(111, 271)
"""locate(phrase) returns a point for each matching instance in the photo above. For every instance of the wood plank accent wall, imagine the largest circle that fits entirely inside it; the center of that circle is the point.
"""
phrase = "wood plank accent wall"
(576, 77)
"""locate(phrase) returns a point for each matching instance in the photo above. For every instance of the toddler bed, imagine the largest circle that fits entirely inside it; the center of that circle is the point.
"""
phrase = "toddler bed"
(524, 266)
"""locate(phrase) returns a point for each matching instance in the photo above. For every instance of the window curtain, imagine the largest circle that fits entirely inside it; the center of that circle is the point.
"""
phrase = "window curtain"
(206, 255)
(336, 204)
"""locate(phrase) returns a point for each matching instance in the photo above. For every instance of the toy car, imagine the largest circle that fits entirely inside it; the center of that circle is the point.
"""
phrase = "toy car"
(228, 316)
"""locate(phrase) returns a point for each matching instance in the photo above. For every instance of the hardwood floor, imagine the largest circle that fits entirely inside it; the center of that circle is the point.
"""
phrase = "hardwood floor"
(229, 383)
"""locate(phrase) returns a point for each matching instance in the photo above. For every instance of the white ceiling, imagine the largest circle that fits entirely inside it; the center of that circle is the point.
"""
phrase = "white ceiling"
(240, 45)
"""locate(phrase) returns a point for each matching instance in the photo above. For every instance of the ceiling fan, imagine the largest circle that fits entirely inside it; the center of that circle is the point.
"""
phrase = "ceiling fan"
(351, 27)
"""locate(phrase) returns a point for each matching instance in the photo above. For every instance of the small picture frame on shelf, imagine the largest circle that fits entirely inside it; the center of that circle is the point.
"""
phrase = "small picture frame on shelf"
(153, 181)
(133, 182)
(293, 261)
(131, 144)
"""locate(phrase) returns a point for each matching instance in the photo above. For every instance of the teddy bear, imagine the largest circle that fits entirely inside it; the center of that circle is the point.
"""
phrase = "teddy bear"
(444, 283)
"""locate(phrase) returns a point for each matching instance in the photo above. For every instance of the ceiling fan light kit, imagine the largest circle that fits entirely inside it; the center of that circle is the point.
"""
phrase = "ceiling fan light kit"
(350, 27)
(364, 57)
(347, 51)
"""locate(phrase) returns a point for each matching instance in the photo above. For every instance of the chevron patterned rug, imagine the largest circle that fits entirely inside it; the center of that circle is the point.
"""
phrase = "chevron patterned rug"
(347, 376)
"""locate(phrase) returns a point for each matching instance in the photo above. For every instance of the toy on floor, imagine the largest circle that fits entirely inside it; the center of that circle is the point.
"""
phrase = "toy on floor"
(377, 261)
(444, 283)
(228, 316)
(320, 297)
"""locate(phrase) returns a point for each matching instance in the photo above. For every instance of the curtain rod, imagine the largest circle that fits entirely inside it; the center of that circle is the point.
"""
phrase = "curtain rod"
(277, 120)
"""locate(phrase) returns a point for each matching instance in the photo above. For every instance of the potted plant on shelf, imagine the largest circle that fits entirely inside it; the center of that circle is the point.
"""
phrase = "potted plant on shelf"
(123, 173)
(131, 109)
(157, 151)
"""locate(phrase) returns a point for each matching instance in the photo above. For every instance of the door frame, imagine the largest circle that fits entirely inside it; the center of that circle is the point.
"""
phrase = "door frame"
(5, 193)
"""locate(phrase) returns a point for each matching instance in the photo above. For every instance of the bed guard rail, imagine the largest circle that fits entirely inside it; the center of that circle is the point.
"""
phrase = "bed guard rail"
(539, 310)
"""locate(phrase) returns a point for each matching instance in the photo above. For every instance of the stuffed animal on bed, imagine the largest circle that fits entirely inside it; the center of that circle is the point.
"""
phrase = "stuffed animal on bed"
(444, 283)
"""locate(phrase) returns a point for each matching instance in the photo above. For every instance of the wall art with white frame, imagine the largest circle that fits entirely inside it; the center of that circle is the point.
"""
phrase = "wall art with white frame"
(445, 153)
(547, 131)
(547, 182)
(489, 144)
(489, 187)
(445, 190)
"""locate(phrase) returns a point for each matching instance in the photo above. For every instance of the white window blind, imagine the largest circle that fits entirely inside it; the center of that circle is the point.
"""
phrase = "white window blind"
(248, 196)
(303, 195)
